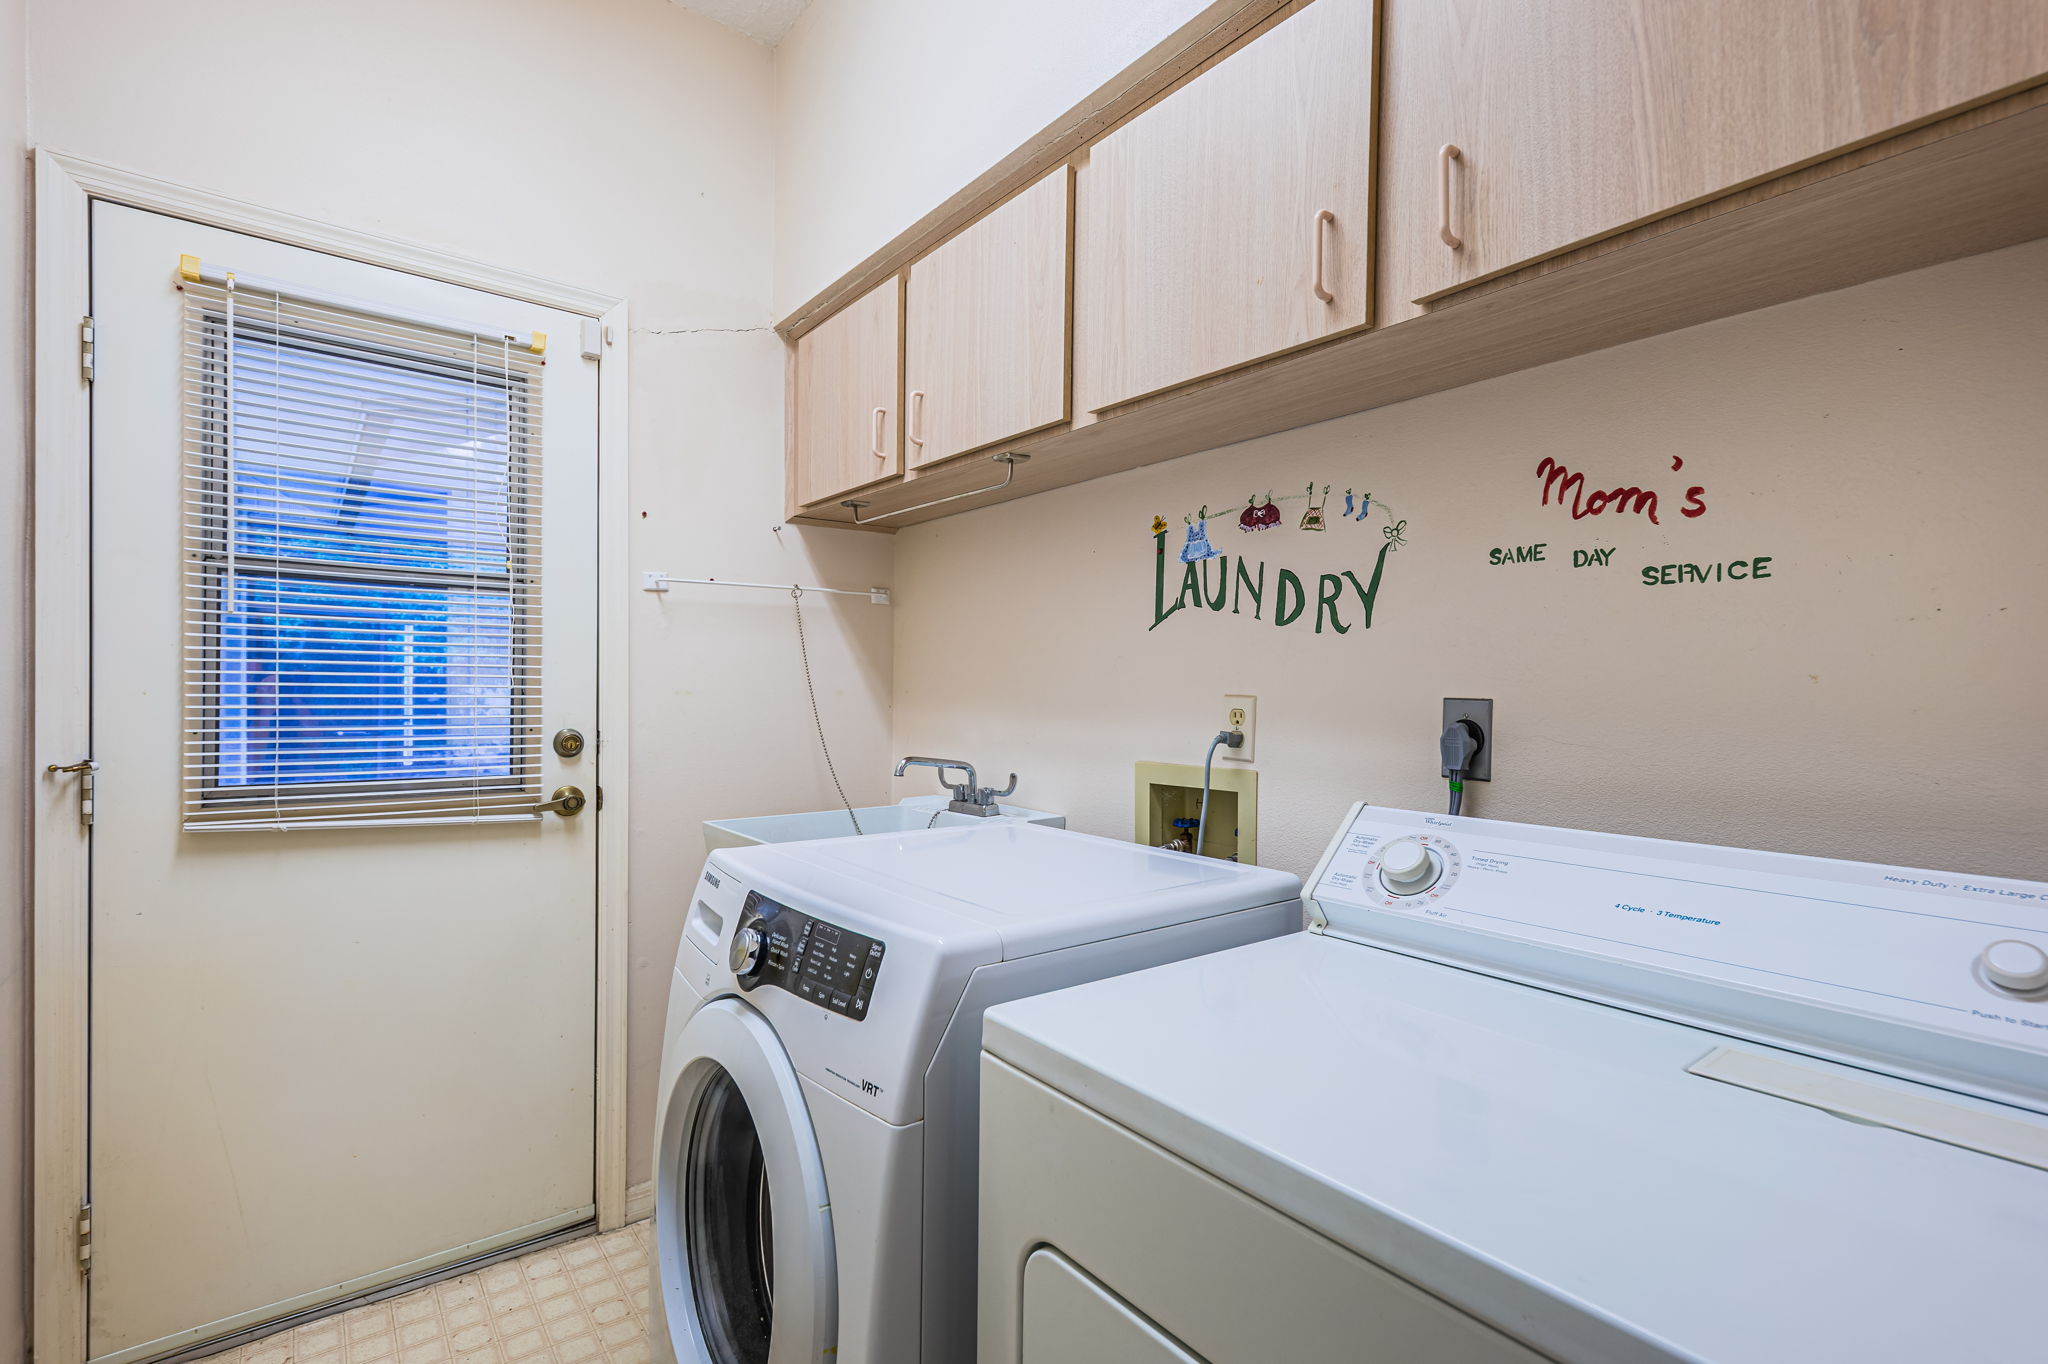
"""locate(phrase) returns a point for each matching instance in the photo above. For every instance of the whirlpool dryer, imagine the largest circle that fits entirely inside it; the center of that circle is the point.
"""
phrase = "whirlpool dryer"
(1534, 1093)
(815, 1150)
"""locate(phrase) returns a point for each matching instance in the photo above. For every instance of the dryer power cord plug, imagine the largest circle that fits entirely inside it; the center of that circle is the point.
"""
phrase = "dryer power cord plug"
(1460, 744)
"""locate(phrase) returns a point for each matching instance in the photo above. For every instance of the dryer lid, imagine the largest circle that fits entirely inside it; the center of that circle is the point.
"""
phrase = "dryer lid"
(1021, 888)
(1560, 1168)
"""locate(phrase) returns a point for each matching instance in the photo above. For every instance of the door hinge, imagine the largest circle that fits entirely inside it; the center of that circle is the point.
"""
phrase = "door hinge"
(84, 769)
(85, 1238)
(88, 363)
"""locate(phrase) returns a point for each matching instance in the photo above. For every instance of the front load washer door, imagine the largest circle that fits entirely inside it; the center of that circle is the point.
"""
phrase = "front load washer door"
(743, 1229)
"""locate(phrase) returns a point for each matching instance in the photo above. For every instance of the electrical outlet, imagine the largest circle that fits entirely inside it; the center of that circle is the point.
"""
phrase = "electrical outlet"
(1240, 712)
(1479, 713)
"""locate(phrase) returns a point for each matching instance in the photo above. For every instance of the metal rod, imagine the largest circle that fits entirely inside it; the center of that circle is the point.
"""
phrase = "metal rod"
(657, 581)
(1011, 458)
(197, 271)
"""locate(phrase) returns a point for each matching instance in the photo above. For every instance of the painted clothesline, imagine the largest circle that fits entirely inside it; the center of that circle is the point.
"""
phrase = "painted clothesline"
(1356, 505)
(1320, 493)
(1263, 516)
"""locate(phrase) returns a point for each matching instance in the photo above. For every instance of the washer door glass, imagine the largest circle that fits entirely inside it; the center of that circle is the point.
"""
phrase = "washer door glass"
(728, 1225)
(744, 1229)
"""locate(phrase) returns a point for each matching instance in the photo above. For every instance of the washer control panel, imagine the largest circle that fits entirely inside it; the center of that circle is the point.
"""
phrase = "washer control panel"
(833, 967)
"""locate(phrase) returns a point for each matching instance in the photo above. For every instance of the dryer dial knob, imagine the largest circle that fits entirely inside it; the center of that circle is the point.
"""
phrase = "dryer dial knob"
(2014, 965)
(1406, 867)
(747, 949)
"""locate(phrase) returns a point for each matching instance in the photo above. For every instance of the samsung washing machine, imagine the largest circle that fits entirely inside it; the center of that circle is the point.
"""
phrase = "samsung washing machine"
(817, 1119)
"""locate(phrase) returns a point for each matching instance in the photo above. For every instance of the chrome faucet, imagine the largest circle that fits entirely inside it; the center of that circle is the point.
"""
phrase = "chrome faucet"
(968, 798)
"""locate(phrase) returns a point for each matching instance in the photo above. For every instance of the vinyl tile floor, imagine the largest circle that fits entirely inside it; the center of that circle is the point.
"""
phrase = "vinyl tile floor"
(580, 1302)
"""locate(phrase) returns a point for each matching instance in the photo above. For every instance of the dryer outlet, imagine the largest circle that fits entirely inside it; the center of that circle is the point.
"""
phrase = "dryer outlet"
(1480, 713)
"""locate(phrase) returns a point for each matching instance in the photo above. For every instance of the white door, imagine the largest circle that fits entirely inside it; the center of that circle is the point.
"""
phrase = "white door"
(343, 974)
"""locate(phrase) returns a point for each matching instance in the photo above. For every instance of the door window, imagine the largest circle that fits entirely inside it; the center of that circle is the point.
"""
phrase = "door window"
(363, 557)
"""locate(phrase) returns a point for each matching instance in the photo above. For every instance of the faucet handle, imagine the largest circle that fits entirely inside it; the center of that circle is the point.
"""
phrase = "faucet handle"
(980, 800)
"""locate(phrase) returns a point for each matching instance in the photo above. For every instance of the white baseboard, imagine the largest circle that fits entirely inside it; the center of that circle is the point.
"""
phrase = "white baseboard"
(640, 1201)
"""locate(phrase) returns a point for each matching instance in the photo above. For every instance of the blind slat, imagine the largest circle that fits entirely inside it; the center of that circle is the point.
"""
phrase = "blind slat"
(266, 407)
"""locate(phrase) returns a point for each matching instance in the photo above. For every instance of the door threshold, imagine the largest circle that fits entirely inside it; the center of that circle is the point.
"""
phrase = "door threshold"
(585, 1224)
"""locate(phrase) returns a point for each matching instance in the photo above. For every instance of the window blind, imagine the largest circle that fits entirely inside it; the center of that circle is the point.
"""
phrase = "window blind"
(362, 537)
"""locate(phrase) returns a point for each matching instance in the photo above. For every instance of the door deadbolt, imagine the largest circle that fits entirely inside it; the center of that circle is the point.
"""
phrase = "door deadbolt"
(568, 800)
(568, 742)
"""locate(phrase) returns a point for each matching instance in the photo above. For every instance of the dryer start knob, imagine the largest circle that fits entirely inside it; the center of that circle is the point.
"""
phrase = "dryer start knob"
(1406, 867)
(2014, 965)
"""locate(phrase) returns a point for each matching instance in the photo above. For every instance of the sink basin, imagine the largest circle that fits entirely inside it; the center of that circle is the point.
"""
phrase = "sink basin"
(914, 812)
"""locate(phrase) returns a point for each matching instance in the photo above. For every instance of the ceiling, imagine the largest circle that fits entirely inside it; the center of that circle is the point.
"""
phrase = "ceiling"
(765, 21)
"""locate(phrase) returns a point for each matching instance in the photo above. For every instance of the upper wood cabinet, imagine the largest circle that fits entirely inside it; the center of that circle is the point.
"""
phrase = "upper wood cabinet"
(1573, 119)
(1232, 219)
(1208, 248)
(845, 408)
(985, 329)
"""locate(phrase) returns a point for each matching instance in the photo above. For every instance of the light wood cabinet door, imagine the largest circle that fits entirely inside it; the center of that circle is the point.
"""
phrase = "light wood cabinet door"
(849, 371)
(1231, 220)
(1574, 119)
(985, 329)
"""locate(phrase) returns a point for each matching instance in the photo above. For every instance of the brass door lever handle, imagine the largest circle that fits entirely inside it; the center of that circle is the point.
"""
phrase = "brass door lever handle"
(568, 800)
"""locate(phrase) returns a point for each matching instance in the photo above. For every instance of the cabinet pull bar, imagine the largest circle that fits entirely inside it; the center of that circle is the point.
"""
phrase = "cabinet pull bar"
(1444, 158)
(913, 430)
(1322, 291)
(880, 413)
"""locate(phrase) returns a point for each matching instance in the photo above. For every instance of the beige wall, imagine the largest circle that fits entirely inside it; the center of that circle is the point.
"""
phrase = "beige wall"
(13, 718)
(622, 145)
(1873, 699)
(886, 108)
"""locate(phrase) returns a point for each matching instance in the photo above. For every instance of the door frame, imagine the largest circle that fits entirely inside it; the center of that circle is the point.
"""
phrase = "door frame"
(61, 601)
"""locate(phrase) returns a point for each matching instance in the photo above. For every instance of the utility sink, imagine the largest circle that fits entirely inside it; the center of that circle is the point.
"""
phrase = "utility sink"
(914, 812)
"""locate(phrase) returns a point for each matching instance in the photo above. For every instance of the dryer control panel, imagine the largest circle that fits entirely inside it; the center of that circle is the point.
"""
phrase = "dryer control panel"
(1937, 976)
(833, 967)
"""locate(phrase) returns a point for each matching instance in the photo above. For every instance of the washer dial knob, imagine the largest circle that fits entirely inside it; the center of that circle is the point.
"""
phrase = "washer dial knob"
(1407, 868)
(2017, 966)
(745, 957)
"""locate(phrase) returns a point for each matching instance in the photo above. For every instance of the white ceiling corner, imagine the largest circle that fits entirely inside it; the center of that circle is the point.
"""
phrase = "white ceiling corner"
(765, 21)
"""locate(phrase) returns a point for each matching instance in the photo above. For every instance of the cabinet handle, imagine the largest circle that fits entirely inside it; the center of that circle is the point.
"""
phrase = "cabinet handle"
(914, 431)
(880, 413)
(1444, 158)
(1322, 291)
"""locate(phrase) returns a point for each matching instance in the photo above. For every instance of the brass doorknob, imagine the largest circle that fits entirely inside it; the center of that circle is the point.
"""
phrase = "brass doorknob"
(568, 800)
